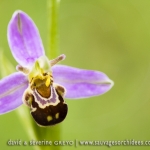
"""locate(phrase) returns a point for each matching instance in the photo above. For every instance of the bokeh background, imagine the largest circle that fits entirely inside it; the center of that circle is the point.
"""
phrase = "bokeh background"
(112, 36)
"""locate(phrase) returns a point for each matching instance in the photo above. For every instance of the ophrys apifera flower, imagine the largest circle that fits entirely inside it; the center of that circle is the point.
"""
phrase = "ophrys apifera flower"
(40, 83)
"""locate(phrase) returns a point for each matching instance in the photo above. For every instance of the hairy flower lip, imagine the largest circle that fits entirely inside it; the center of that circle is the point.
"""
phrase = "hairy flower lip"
(26, 47)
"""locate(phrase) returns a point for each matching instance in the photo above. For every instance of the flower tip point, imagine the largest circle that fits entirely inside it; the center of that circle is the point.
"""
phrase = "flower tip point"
(17, 12)
(63, 56)
(111, 83)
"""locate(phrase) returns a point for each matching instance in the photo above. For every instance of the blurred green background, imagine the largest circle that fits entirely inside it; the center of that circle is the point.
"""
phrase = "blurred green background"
(112, 36)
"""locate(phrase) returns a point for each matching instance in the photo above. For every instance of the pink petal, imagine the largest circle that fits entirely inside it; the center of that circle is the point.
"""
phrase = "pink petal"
(24, 39)
(12, 88)
(81, 83)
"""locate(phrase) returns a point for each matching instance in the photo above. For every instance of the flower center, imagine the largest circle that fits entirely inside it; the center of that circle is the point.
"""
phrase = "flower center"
(41, 73)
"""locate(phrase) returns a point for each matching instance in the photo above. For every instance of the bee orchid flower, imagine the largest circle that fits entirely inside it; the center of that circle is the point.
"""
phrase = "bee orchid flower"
(40, 83)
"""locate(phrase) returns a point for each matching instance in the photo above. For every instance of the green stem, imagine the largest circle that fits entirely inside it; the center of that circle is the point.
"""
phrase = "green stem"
(53, 11)
(50, 133)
